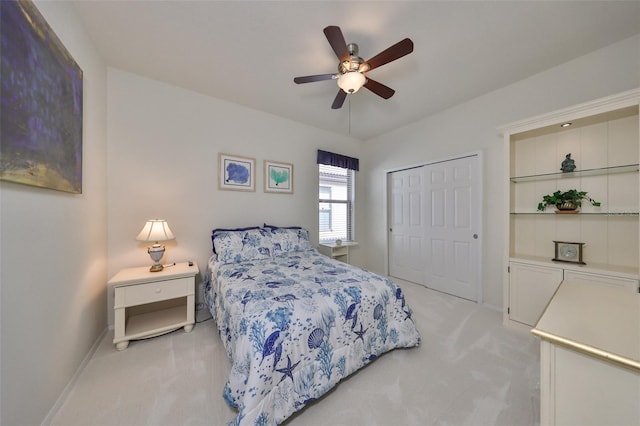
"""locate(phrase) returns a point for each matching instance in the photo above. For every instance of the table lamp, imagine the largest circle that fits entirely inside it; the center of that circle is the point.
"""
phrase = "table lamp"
(156, 230)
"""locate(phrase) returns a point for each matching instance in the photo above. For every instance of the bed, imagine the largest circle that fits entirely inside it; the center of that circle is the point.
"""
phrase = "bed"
(295, 322)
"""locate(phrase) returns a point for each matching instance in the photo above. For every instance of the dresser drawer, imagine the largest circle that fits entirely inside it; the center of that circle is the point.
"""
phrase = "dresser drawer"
(154, 292)
(607, 280)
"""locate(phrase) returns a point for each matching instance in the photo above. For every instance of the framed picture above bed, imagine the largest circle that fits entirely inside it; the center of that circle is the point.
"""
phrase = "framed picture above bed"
(278, 177)
(236, 173)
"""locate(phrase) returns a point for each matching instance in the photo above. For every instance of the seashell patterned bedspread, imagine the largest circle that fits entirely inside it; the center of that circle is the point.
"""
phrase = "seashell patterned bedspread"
(295, 325)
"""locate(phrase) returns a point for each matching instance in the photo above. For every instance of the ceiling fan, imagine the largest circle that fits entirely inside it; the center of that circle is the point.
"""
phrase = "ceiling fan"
(352, 68)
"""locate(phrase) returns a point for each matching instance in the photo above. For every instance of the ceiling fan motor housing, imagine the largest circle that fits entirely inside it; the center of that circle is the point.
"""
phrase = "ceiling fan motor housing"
(354, 62)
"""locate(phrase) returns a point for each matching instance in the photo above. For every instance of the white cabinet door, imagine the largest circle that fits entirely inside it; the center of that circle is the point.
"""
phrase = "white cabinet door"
(530, 290)
(626, 283)
(579, 389)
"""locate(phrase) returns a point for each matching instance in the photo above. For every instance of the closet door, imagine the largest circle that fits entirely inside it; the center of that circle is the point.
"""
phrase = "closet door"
(406, 226)
(452, 226)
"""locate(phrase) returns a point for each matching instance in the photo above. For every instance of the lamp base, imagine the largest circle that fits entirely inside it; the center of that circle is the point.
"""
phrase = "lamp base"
(156, 268)
(156, 252)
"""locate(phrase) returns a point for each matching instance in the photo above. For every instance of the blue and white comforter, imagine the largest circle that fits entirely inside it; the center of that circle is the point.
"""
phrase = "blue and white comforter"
(295, 325)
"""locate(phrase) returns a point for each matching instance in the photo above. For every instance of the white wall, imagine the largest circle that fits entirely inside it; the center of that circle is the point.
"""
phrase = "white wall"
(163, 147)
(472, 126)
(53, 257)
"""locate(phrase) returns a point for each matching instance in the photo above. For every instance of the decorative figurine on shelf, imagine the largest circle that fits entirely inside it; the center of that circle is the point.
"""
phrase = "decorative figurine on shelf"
(568, 165)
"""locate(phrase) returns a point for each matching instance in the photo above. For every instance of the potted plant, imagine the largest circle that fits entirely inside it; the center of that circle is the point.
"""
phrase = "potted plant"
(567, 200)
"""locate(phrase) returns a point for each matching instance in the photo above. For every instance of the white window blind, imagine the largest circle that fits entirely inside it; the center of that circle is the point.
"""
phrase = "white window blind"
(336, 200)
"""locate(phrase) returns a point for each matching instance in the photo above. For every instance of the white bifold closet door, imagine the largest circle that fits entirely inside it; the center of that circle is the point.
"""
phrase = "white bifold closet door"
(434, 222)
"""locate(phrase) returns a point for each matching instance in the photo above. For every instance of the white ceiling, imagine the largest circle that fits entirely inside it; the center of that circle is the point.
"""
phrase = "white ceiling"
(248, 52)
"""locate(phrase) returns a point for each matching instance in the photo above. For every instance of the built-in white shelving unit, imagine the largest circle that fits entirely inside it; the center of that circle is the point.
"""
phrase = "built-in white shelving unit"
(604, 141)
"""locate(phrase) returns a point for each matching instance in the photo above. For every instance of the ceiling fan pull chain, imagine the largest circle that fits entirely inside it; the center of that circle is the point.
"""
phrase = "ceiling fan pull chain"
(349, 115)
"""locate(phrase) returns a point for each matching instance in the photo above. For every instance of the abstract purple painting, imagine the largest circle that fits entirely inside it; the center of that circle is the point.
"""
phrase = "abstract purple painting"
(41, 103)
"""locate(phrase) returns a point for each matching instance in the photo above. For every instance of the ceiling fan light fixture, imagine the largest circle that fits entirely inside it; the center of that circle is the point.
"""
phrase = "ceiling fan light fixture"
(363, 67)
(351, 81)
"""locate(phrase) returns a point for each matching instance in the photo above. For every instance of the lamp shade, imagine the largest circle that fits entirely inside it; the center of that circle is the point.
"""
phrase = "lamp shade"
(351, 81)
(155, 230)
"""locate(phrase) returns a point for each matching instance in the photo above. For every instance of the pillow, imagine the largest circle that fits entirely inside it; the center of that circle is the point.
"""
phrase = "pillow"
(283, 227)
(242, 245)
(288, 239)
(227, 230)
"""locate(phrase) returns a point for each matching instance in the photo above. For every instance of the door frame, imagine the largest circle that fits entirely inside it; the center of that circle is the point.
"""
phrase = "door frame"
(387, 215)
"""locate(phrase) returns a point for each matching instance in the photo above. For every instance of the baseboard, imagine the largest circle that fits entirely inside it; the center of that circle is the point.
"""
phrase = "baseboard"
(492, 307)
(67, 389)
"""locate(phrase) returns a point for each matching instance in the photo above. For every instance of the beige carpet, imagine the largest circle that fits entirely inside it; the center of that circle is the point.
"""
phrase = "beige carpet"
(470, 370)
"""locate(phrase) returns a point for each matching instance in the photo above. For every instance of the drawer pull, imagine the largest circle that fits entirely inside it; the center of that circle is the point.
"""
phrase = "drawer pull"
(158, 290)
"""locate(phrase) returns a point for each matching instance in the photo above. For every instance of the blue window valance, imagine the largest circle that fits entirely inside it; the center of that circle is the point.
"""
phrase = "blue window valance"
(338, 160)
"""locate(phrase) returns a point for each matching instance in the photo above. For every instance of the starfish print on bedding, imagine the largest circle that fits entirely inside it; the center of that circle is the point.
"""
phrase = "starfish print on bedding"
(408, 312)
(288, 370)
(360, 333)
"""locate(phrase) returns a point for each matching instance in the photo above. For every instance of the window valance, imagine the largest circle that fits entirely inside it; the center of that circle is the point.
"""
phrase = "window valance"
(338, 160)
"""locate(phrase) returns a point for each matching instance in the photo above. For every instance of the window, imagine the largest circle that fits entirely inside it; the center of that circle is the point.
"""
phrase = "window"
(336, 175)
(325, 209)
(336, 198)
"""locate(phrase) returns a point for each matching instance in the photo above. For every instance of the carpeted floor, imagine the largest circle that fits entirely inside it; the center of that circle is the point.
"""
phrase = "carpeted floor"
(469, 370)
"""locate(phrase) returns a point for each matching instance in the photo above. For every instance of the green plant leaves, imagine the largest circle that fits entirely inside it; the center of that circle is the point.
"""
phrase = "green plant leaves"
(560, 197)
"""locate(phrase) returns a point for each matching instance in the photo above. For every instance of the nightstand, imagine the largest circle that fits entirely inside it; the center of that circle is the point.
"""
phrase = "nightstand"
(148, 304)
(335, 251)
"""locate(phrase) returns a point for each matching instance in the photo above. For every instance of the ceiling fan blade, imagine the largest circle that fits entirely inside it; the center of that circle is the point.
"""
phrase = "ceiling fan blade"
(336, 40)
(379, 89)
(397, 51)
(339, 100)
(312, 78)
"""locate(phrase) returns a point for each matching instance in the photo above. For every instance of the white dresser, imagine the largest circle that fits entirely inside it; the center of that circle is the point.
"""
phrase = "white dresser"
(590, 356)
